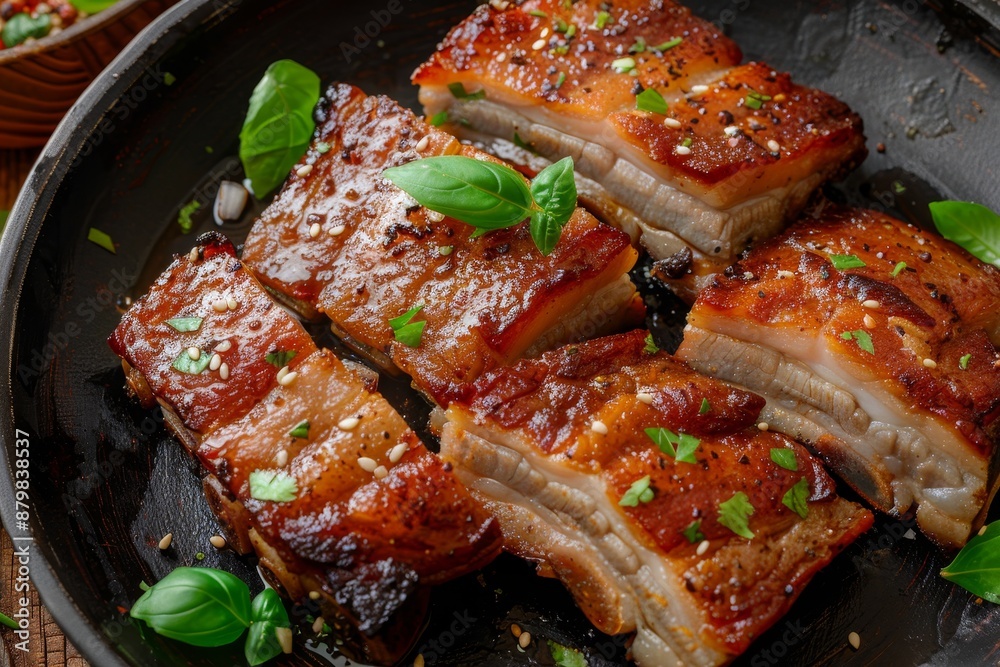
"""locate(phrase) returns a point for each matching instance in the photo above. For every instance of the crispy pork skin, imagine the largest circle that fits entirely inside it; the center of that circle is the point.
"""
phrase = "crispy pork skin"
(552, 445)
(343, 242)
(738, 151)
(886, 367)
(368, 518)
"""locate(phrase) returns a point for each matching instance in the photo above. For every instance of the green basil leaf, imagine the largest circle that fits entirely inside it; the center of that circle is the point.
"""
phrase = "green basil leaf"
(554, 191)
(279, 124)
(268, 614)
(483, 194)
(972, 226)
(92, 6)
(841, 262)
(735, 514)
(785, 458)
(564, 656)
(863, 339)
(639, 492)
(650, 100)
(184, 217)
(279, 358)
(795, 498)
(21, 26)
(651, 347)
(693, 532)
(301, 430)
(679, 445)
(185, 324)
(196, 605)
(405, 330)
(185, 364)
(98, 237)
(976, 568)
(705, 407)
(277, 486)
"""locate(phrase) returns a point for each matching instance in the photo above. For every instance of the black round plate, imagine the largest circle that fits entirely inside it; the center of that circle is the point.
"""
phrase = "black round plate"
(100, 479)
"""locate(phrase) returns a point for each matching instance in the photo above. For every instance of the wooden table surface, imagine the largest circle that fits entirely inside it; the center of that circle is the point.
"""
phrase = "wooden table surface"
(46, 643)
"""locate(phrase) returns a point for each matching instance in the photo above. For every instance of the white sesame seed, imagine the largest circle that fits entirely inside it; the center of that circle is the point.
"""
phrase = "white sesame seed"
(165, 541)
(318, 624)
(702, 548)
(288, 379)
(423, 144)
(232, 303)
(644, 397)
(434, 216)
(544, 33)
(224, 371)
(870, 303)
(672, 123)
(773, 146)
(338, 230)
(367, 464)
(220, 306)
(682, 150)
(854, 639)
(314, 595)
(282, 458)
(524, 639)
(538, 45)
(930, 363)
(982, 531)
(747, 275)
(348, 424)
(224, 346)
(698, 90)
(193, 255)
(304, 170)
(315, 229)
(445, 250)
(732, 131)
(763, 426)
(284, 637)
(733, 142)
(381, 472)
(785, 274)
(499, 5)
(869, 321)
(194, 353)
(599, 427)
(396, 453)
(501, 57)
(218, 541)
(215, 363)
(282, 372)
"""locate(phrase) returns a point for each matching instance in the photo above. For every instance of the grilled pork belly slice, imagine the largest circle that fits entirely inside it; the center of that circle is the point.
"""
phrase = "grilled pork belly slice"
(737, 153)
(887, 369)
(369, 538)
(551, 446)
(343, 242)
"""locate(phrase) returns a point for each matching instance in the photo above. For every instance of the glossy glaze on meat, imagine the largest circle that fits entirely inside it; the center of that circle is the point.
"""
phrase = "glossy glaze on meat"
(911, 420)
(370, 542)
(738, 152)
(551, 446)
(486, 300)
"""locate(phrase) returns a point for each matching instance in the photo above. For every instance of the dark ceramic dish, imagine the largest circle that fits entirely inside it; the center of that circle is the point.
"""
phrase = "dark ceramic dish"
(107, 481)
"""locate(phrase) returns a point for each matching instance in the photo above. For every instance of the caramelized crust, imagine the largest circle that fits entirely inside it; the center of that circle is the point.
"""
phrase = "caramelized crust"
(486, 300)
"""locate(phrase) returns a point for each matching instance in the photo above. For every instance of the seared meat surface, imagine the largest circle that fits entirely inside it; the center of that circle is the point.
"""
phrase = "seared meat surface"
(886, 366)
(553, 447)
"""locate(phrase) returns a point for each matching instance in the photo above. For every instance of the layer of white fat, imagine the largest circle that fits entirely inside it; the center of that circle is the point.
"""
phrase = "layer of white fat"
(928, 459)
(667, 622)
(631, 177)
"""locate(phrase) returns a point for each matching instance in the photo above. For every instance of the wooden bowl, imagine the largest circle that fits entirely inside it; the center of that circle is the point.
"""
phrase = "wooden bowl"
(40, 81)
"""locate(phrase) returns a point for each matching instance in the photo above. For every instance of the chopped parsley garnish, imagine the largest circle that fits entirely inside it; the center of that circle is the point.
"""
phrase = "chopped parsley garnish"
(184, 217)
(639, 46)
(651, 100)
(639, 492)
(323, 147)
(538, 13)
(564, 656)
(963, 363)
(899, 268)
(561, 79)
(785, 458)
(439, 119)
(301, 430)
(185, 324)
(898, 187)
(693, 532)
(863, 339)
(735, 514)
(795, 498)
(571, 31)
(651, 347)
(445, 250)
(666, 46)
(169, 79)
(561, 26)
(98, 237)
(687, 142)
(279, 358)
(681, 446)
(841, 262)
(277, 486)
(405, 330)
(623, 65)
(756, 100)
(602, 19)
(185, 364)
(459, 92)
(705, 407)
